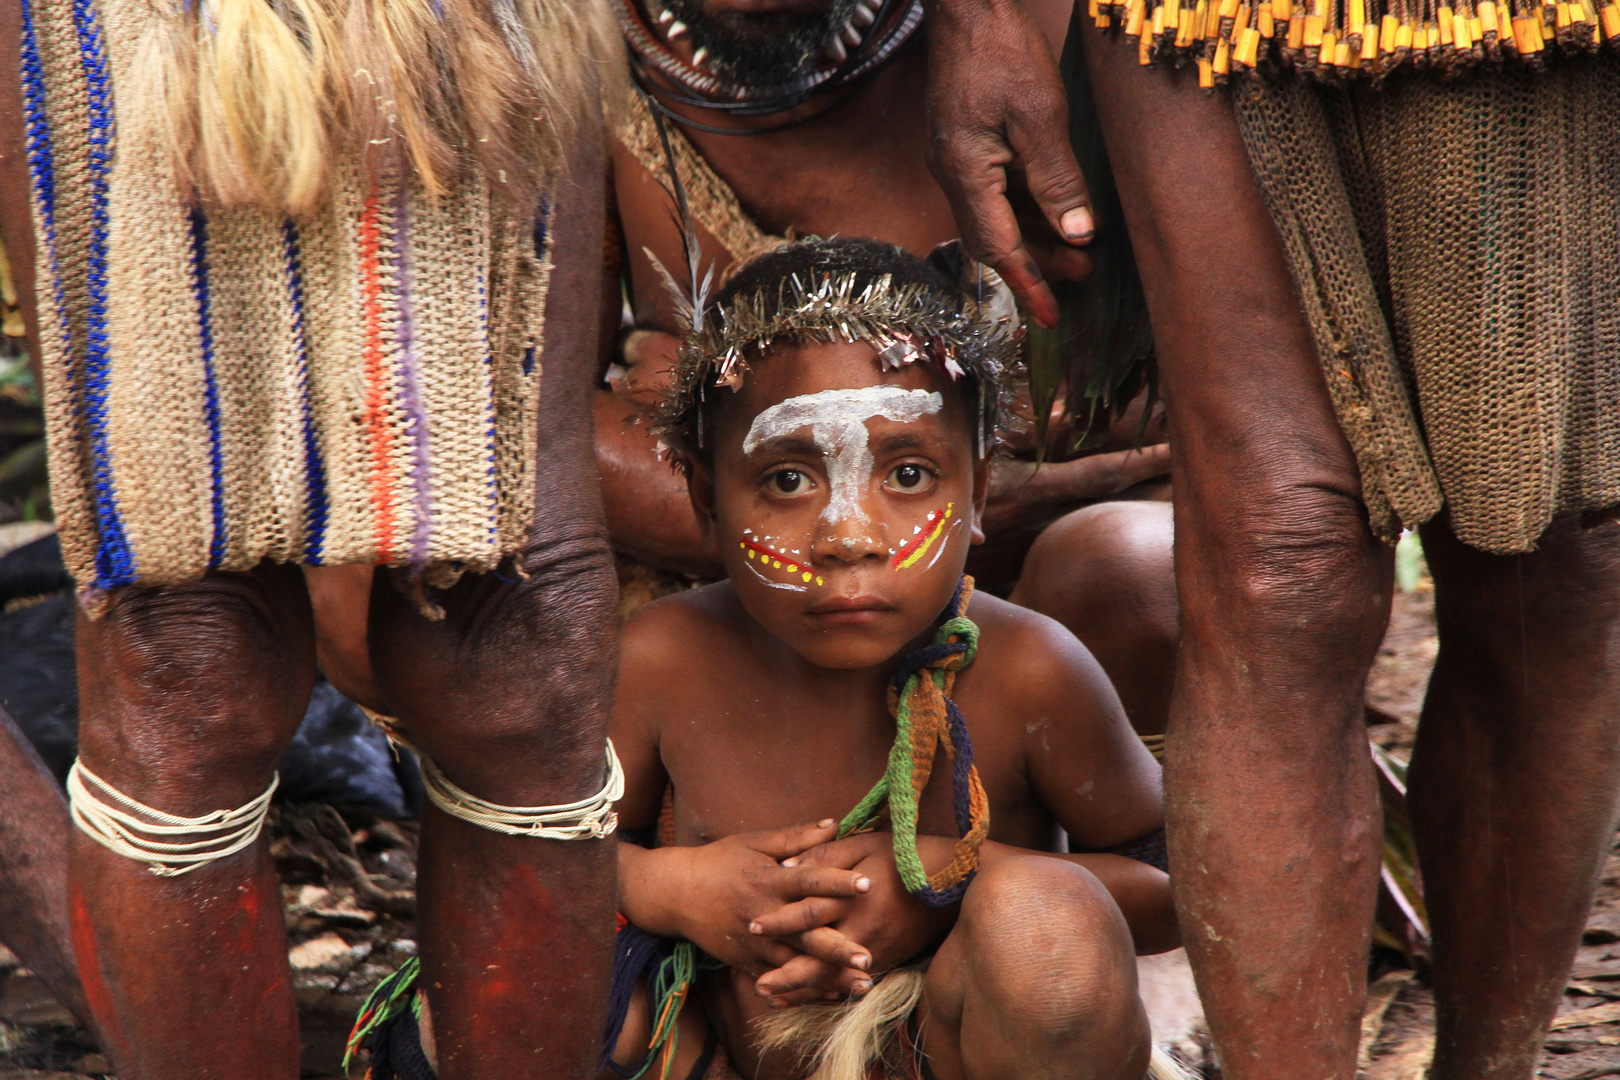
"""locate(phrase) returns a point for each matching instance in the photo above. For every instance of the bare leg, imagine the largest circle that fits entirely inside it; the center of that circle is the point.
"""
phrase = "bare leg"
(1106, 573)
(1514, 784)
(509, 695)
(1272, 807)
(1036, 980)
(189, 694)
(34, 834)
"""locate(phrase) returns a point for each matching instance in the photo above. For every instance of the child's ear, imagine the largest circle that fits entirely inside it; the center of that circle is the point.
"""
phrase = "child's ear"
(981, 493)
(700, 489)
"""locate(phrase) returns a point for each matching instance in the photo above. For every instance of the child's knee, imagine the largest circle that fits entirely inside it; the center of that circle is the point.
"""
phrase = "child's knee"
(1104, 562)
(1045, 937)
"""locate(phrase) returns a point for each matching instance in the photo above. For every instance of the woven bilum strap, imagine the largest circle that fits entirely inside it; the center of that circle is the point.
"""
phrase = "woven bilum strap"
(590, 818)
(136, 831)
(925, 718)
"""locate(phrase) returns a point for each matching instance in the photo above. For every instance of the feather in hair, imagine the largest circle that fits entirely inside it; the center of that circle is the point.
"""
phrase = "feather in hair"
(696, 302)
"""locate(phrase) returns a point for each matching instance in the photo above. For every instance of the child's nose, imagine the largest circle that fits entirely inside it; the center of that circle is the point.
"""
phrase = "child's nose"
(849, 540)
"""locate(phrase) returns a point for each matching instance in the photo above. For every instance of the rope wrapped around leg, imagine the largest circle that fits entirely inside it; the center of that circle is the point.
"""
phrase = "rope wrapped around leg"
(134, 830)
(590, 818)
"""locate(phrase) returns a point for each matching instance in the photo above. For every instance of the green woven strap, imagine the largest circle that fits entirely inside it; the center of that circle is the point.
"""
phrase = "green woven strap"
(900, 783)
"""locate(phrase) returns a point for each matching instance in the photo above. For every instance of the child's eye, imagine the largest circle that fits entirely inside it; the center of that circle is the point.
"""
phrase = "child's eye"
(788, 482)
(910, 477)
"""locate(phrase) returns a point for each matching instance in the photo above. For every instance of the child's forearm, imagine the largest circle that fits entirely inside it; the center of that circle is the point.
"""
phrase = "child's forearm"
(649, 886)
(1141, 891)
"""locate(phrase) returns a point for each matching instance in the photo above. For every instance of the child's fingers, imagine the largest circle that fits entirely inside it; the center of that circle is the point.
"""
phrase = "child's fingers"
(832, 947)
(810, 995)
(800, 973)
(771, 953)
(824, 881)
(781, 843)
(810, 974)
(799, 916)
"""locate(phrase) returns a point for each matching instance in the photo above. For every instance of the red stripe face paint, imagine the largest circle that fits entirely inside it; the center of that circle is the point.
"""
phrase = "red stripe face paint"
(924, 537)
(761, 557)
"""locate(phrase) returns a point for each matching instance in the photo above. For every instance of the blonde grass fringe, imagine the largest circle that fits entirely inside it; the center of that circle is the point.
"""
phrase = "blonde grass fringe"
(854, 1039)
(256, 100)
(1336, 40)
(844, 1040)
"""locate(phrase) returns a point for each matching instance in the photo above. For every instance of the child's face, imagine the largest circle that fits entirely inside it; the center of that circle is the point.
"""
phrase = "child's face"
(842, 499)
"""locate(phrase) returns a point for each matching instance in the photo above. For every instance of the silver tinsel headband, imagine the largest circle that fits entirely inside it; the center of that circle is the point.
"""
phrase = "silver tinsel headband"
(904, 323)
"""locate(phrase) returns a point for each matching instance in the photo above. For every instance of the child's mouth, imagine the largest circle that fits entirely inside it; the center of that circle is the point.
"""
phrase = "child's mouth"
(854, 610)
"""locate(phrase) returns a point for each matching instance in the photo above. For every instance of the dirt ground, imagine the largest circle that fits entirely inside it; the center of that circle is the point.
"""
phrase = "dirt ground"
(347, 883)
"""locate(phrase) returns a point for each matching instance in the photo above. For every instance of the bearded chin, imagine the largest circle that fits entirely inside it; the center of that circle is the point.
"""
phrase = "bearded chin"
(763, 51)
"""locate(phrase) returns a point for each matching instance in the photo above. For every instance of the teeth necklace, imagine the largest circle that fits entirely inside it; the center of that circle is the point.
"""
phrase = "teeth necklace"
(857, 52)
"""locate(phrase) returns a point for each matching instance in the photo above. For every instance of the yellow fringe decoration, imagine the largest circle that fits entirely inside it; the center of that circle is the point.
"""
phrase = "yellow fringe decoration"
(1336, 40)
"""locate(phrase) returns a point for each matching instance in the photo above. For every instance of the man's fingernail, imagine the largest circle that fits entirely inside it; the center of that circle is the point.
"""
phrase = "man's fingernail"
(862, 884)
(753, 928)
(790, 862)
(778, 1003)
(825, 823)
(761, 991)
(863, 986)
(862, 962)
(1077, 224)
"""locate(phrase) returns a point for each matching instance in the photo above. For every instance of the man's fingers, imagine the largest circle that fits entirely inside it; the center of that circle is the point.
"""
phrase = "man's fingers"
(1054, 176)
(1058, 261)
(990, 230)
(794, 839)
(972, 171)
(797, 917)
(803, 881)
(1101, 476)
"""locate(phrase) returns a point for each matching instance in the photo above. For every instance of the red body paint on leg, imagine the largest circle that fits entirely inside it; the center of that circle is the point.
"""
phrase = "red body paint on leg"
(95, 987)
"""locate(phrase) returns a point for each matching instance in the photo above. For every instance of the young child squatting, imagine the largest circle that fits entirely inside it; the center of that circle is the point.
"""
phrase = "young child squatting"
(839, 478)
(833, 410)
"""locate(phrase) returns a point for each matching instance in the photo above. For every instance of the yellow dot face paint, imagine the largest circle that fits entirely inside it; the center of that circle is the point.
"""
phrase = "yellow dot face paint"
(928, 532)
(775, 560)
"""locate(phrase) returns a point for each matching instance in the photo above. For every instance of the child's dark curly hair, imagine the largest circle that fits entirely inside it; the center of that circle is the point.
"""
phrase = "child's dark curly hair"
(839, 289)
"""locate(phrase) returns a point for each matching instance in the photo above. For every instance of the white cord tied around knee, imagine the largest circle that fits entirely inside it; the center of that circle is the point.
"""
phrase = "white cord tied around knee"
(588, 819)
(119, 830)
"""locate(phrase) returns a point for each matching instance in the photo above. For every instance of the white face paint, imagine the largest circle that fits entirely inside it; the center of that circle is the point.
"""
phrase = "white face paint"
(837, 422)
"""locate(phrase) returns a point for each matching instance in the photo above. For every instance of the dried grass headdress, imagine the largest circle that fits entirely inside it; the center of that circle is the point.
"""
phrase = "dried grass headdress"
(949, 310)
(255, 99)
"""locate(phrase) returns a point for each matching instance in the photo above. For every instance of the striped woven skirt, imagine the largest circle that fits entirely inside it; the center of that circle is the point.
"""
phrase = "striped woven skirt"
(355, 387)
(1456, 248)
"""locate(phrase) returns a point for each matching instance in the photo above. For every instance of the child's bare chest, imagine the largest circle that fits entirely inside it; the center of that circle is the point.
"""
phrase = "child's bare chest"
(754, 764)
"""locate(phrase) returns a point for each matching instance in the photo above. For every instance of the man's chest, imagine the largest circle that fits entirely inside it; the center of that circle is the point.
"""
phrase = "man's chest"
(858, 171)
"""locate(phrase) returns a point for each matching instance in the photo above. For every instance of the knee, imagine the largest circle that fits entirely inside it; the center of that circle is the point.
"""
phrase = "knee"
(1044, 937)
(1562, 598)
(1106, 565)
(509, 690)
(1292, 563)
(186, 684)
